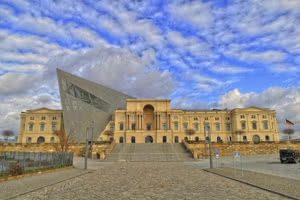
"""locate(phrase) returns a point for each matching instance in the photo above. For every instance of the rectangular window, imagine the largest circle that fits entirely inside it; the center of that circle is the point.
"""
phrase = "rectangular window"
(122, 117)
(54, 118)
(217, 118)
(30, 127)
(132, 126)
(217, 127)
(176, 125)
(264, 116)
(31, 118)
(111, 127)
(253, 116)
(195, 118)
(43, 118)
(53, 127)
(133, 117)
(164, 126)
(205, 118)
(227, 127)
(175, 117)
(121, 126)
(227, 118)
(254, 125)
(42, 128)
(185, 127)
(206, 127)
(243, 124)
(265, 124)
(196, 127)
(242, 116)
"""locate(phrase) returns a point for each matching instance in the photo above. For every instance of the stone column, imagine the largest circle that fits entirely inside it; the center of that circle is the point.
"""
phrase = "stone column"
(258, 122)
(167, 117)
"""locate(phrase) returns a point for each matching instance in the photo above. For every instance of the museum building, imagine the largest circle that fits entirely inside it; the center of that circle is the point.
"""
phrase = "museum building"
(153, 121)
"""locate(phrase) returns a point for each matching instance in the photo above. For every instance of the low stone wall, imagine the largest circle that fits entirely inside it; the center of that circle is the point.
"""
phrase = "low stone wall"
(198, 150)
(77, 149)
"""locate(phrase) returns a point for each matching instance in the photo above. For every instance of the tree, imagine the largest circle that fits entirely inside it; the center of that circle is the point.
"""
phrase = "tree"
(7, 133)
(289, 132)
(64, 140)
(190, 132)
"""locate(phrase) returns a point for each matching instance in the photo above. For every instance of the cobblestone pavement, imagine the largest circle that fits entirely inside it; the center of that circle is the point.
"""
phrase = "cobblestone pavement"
(29, 183)
(150, 180)
(286, 186)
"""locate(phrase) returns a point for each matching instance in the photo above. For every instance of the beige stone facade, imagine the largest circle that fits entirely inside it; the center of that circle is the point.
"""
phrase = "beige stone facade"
(38, 126)
(153, 120)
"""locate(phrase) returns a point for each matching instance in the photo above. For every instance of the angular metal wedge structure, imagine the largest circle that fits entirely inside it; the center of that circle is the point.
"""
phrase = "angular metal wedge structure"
(84, 101)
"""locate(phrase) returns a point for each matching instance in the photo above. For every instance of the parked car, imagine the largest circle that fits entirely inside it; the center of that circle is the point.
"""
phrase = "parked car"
(289, 155)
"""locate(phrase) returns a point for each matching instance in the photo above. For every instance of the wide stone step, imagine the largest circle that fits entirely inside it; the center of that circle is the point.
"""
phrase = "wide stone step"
(148, 153)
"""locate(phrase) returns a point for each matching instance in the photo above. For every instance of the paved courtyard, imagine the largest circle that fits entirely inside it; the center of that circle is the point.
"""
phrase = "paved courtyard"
(145, 180)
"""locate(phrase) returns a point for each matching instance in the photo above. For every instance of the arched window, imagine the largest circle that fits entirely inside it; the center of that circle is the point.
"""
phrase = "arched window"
(185, 139)
(40, 140)
(219, 140)
(29, 140)
(267, 138)
(52, 140)
(197, 139)
(256, 139)
(121, 140)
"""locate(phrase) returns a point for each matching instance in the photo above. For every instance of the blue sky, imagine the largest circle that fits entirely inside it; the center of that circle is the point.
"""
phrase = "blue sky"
(201, 54)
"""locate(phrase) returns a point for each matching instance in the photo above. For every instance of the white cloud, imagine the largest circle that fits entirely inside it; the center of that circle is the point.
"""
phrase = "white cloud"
(13, 83)
(119, 69)
(284, 68)
(230, 70)
(191, 44)
(195, 12)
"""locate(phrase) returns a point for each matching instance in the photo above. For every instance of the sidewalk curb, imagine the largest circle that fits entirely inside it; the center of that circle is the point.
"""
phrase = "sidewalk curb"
(21, 194)
(274, 192)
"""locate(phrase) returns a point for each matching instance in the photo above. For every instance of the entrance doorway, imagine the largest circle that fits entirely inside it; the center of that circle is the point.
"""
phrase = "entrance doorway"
(164, 139)
(148, 139)
(176, 139)
(133, 139)
(121, 139)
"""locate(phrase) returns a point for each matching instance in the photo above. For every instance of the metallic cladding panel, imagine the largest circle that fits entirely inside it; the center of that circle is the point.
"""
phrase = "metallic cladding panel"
(84, 101)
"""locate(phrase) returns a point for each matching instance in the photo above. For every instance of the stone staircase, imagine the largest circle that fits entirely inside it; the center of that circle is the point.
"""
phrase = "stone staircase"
(148, 153)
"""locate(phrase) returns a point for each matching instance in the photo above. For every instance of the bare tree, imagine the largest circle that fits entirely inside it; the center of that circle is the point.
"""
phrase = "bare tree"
(64, 140)
(7, 133)
(289, 132)
(190, 132)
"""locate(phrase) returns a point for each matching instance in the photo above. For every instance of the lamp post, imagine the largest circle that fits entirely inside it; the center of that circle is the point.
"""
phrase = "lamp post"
(210, 151)
(92, 139)
(86, 148)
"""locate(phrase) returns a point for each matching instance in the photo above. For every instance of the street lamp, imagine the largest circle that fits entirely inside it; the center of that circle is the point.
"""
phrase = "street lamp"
(86, 148)
(92, 139)
(210, 151)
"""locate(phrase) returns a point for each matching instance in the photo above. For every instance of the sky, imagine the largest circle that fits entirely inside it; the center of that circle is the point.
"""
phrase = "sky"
(201, 54)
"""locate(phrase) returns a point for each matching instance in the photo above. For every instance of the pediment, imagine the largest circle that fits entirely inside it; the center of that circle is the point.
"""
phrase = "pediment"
(43, 110)
(252, 109)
